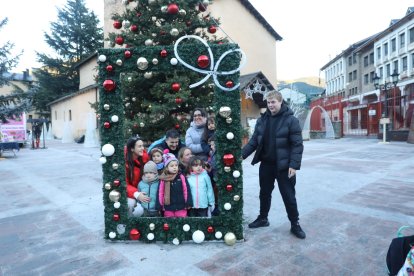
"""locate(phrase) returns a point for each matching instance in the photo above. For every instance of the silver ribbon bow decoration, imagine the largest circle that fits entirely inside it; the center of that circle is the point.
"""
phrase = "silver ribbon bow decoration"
(213, 67)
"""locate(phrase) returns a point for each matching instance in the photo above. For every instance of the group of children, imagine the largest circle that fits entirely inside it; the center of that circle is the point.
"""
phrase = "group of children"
(183, 186)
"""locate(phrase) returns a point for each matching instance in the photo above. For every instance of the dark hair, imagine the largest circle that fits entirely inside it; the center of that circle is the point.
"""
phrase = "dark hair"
(206, 132)
(195, 160)
(202, 111)
(129, 157)
(172, 133)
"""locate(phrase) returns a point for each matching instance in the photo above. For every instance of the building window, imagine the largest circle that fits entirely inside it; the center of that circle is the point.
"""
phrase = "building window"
(371, 77)
(354, 58)
(371, 58)
(412, 61)
(402, 40)
(388, 70)
(366, 61)
(70, 115)
(366, 79)
(404, 64)
(350, 76)
(55, 114)
(396, 65)
(411, 31)
(379, 53)
(393, 45)
(349, 60)
(385, 49)
(354, 75)
(380, 72)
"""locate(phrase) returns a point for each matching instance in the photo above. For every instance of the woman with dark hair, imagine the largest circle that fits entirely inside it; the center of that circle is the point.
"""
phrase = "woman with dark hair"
(135, 158)
(195, 132)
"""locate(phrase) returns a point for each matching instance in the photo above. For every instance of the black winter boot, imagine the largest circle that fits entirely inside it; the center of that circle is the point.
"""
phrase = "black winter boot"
(296, 230)
(259, 222)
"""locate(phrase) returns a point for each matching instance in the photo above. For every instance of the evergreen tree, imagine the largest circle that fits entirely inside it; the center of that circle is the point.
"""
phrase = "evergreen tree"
(16, 101)
(156, 102)
(74, 36)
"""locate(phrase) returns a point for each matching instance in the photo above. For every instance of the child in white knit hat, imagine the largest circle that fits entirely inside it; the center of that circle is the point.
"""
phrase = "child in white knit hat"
(149, 185)
(174, 193)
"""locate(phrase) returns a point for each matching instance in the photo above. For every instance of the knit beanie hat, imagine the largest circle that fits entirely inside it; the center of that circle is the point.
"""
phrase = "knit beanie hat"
(168, 157)
(150, 166)
(154, 150)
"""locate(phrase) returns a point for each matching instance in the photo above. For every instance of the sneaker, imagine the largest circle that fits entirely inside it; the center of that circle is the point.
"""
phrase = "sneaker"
(296, 230)
(259, 222)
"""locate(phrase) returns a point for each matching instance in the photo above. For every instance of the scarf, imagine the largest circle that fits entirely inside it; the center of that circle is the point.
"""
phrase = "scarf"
(168, 178)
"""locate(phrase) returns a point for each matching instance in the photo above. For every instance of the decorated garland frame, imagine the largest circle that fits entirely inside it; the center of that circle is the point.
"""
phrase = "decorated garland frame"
(113, 65)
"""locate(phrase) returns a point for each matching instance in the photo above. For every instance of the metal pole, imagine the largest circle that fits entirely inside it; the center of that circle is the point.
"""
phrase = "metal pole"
(393, 108)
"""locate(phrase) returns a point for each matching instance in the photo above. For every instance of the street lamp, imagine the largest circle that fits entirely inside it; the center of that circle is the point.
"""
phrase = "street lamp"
(385, 87)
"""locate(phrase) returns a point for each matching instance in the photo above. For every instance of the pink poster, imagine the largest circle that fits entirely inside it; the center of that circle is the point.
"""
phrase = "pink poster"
(14, 129)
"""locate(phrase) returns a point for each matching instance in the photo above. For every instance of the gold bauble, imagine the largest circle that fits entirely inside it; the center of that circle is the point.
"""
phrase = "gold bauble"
(225, 111)
(236, 198)
(115, 166)
(114, 195)
(229, 120)
(230, 238)
(108, 186)
(106, 106)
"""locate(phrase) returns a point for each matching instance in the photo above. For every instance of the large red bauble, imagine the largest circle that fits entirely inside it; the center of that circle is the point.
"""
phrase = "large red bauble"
(107, 125)
(109, 68)
(175, 87)
(172, 9)
(127, 54)
(117, 24)
(116, 217)
(133, 28)
(166, 227)
(117, 182)
(163, 53)
(119, 40)
(210, 229)
(134, 234)
(229, 84)
(212, 29)
(109, 85)
(203, 61)
(177, 126)
(201, 7)
(228, 159)
(178, 100)
(229, 187)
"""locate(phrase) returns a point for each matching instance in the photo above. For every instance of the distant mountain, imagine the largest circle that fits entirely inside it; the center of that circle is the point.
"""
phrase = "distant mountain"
(311, 86)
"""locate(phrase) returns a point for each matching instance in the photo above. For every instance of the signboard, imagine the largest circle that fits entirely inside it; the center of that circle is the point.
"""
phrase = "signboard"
(385, 121)
(372, 112)
(14, 130)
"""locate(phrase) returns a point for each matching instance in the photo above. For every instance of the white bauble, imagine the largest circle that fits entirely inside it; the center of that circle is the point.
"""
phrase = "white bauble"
(173, 61)
(176, 241)
(117, 205)
(142, 63)
(108, 150)
(218, 235)
(230, 135)
(102, 160)
(227, 206)
(114, 118)
(119, 62)
(152, 226)
(126, 24)
(112, 235)
(198, 236)
(186, 227)
(149, 42)
(150, 236)
(148, 75)
(154, 61)
(120, 228)
(174, 32)
(102, 58)
(106, 106)
(236, 174)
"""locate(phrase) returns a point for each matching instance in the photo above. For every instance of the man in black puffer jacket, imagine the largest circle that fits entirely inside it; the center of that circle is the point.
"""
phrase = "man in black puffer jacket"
(277, 140)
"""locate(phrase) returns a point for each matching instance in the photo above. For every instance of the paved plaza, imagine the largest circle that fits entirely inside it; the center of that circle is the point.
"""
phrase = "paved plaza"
(353, 195)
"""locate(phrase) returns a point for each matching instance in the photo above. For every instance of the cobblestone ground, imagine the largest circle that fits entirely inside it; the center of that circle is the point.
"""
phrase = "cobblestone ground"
(353, 195)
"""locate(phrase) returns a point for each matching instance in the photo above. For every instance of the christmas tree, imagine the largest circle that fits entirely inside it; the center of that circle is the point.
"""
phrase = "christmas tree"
(161, 101)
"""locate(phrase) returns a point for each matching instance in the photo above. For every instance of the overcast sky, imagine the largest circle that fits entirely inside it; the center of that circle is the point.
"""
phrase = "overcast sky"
(313, 31)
